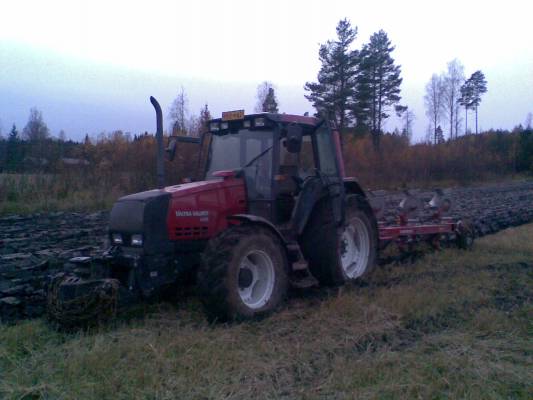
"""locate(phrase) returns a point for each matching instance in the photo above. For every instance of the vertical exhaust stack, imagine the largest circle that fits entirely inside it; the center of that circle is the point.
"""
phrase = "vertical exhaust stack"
(159, 138)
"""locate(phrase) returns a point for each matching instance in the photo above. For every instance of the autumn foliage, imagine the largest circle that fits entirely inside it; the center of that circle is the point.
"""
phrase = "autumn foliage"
(467, 159)
(93, 174)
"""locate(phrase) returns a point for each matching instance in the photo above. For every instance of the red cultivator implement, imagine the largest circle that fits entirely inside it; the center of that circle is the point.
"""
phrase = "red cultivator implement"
(417, 222)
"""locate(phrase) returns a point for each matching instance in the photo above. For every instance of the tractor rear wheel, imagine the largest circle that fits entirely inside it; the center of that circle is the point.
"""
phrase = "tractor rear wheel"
(341, 254)
(465, 235)
(243, 274)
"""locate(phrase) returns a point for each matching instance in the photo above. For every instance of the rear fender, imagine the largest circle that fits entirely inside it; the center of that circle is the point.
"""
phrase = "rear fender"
(351, 186)
(248, 218)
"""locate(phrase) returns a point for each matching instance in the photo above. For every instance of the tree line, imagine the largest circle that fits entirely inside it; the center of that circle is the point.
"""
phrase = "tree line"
(357, 90)
(446, 93)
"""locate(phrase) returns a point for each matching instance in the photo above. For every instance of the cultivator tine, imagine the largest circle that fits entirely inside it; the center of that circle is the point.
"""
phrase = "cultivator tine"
(377, 203)
(409, 208)
(440, 205)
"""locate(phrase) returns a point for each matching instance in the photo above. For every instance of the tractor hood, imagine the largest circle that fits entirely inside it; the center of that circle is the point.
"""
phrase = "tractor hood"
(189, 211)
(195, 187)
(199, 210)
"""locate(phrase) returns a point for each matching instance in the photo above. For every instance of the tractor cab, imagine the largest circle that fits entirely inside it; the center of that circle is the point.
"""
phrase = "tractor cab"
(277, 155)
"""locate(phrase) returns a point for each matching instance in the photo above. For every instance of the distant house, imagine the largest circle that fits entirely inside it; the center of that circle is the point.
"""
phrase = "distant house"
(35, 161)
(73, 161)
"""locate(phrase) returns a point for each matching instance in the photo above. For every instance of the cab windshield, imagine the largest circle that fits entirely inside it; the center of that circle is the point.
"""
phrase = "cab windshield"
(247, 150)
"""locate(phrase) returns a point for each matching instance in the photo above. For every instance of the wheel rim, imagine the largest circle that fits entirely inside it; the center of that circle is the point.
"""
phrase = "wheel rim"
(256, 279)
(355, 248)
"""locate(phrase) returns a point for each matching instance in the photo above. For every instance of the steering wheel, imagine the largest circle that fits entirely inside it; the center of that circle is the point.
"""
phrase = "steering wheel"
(323, 178)
(298, 180)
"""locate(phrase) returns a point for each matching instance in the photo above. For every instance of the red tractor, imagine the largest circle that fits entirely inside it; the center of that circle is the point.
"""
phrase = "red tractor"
(272, 209)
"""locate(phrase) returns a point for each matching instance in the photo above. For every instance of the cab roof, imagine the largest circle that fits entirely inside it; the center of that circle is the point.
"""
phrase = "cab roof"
(283, 118)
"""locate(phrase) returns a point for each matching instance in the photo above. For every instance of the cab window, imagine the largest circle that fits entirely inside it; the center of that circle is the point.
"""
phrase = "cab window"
(326, 151)
(303, 162)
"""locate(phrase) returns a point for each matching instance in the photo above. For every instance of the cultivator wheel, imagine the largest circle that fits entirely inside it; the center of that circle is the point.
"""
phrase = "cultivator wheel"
(465, 235)
(243, 274)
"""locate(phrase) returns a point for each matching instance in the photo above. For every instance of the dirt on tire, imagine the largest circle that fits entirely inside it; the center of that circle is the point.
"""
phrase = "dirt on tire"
(218, 273)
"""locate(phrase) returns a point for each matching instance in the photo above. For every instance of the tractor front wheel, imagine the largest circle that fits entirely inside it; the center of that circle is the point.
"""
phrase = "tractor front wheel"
(243, 274)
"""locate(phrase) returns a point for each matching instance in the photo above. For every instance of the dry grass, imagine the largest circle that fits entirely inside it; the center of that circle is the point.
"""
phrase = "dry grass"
(455, 324)
(28, 193)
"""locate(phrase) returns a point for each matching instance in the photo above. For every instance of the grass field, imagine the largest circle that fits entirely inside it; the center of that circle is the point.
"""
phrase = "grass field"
(76, 191)
(453, 325)
(30, 193)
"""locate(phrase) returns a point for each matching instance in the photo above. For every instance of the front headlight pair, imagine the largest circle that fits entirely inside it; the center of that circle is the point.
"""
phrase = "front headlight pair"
(136, 239)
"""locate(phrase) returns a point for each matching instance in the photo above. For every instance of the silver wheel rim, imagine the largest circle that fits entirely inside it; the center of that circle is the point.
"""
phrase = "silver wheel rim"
(355, 248)
(256, 279)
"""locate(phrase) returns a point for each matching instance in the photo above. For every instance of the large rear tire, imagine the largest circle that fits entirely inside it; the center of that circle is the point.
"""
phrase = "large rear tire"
(243, 274)
(338, 255)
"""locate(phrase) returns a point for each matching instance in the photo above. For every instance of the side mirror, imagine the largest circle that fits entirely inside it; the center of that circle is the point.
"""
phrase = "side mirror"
(173, 144)
(171, 148)
(294, 138)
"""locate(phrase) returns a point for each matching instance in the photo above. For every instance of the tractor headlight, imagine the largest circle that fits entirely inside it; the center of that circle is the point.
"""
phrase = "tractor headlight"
(258, 122)
(224, 125)
(137, 240)
(214, 126)
(116, 238)
(246, 123)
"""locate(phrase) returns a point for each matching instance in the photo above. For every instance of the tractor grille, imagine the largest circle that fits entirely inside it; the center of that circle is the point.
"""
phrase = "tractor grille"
(191, 232)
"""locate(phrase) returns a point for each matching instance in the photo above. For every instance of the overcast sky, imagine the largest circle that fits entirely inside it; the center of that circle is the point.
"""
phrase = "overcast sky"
(90, 66)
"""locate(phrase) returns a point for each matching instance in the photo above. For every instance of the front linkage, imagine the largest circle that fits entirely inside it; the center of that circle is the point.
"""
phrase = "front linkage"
(90, 291)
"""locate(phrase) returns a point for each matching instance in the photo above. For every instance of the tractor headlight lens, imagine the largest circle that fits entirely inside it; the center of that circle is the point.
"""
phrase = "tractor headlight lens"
(214, 126)
(137, 240)
(259, 122)
(246, 123)
(116, 238)
(224, 125)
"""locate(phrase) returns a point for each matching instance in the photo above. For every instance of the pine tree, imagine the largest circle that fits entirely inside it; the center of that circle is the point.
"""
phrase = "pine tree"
(13, 134)
(479, 87)
(270, 103)
(333, 94)
(467, 93)
(205, 117)
(262, 92)
(378, 84)
(13, 157)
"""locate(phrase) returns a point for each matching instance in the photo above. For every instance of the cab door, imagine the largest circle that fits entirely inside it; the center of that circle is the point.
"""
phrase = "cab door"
(327, 181)
(330, 166)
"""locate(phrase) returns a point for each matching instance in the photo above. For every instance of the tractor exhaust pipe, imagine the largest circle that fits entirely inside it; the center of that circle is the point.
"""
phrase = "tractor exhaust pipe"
(160, 147)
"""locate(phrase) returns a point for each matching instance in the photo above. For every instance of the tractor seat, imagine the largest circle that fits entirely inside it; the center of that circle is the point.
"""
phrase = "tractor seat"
(288, 189)
(286, 183)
